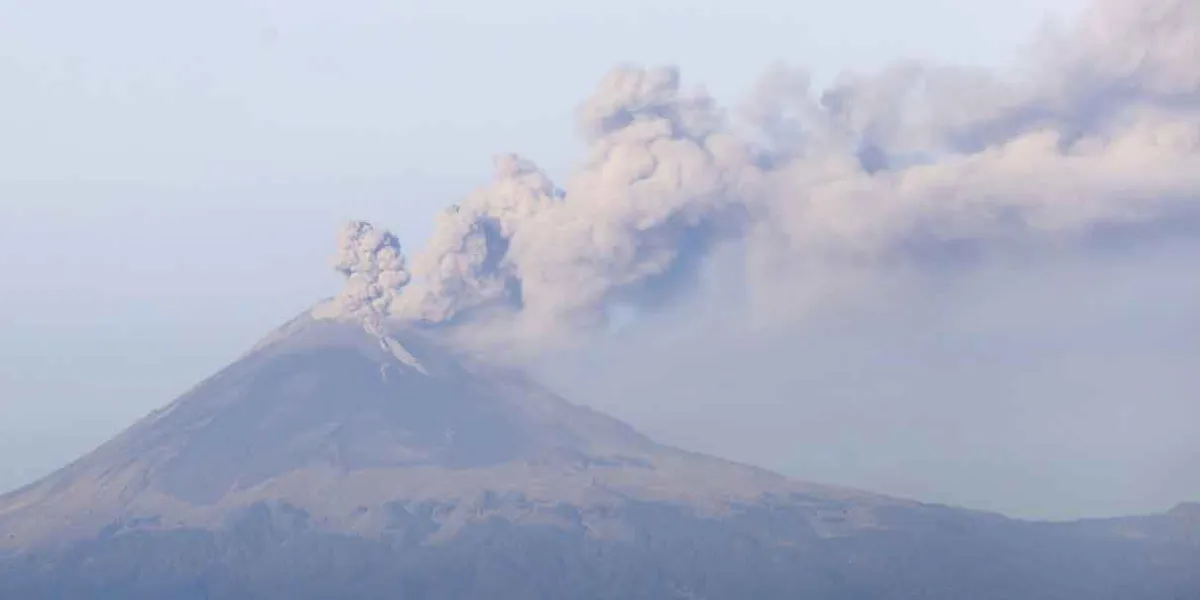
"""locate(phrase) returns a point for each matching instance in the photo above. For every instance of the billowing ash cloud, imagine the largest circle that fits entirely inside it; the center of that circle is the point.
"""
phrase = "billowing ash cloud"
(375, 271)
(1099, 126)
(465, 265)
(660, 168)
(1105, 128)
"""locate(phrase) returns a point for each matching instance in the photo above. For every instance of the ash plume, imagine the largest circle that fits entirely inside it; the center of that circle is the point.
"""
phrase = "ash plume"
(465, 265)
(660, 167)
(375, 270)
(1104, 128)
(1099, 125)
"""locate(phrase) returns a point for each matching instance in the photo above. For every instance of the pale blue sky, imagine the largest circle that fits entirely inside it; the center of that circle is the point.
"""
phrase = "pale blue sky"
(171, 178)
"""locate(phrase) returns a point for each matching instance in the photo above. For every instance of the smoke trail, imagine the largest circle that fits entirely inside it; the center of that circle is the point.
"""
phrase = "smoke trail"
(1100, 126)
(375, 271)
(660, 167)
(465, 265)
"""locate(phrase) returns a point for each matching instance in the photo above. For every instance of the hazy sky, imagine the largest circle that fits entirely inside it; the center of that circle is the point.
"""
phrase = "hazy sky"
(171, 178)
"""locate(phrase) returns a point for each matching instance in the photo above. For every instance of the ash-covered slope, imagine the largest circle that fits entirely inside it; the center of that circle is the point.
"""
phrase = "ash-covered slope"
(331, 462)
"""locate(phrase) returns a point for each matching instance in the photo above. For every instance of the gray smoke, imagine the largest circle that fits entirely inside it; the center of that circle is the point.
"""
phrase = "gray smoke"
(375, 271)
(465, 265)
(1104, 128)
(1099, 126)
(660, 167)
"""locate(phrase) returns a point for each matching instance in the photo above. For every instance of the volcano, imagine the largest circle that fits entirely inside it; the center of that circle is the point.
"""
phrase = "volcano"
(341, 422)
(340, 461)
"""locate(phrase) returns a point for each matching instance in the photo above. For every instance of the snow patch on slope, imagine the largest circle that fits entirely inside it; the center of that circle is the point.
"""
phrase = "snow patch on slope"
(402, 354)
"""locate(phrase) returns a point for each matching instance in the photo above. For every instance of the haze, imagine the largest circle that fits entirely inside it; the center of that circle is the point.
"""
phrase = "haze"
(171, 180)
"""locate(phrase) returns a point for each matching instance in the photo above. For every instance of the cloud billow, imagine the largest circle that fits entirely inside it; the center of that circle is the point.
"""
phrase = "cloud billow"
(1099, 126)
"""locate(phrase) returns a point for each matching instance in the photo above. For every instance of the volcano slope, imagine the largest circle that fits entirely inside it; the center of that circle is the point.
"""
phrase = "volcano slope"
(333, 462)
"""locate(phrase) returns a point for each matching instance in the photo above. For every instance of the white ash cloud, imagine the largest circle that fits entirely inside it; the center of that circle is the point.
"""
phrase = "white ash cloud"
(663, 178)
(465, 264)
(1099, 126)
(1105, 129)
(661, 167)
(375, 270)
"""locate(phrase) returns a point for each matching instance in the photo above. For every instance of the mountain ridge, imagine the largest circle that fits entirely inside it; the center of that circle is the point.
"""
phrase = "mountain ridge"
(337, 460)
(173, 461)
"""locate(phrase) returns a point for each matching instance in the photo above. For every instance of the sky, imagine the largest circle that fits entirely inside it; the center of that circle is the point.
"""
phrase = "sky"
(172, 178)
